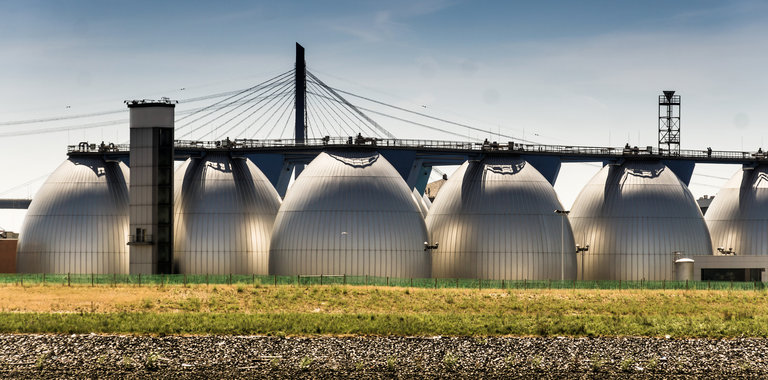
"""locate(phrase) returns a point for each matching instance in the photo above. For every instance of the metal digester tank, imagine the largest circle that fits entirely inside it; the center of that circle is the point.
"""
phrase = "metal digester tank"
(349, 213)
(78, 220)
(224, 212)
(635, 216)
(496, 219)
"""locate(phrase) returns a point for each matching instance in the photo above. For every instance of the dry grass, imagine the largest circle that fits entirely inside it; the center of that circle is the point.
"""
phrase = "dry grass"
(383, 310)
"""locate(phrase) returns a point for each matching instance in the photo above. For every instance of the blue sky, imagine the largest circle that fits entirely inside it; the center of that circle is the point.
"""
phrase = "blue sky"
(559, 72)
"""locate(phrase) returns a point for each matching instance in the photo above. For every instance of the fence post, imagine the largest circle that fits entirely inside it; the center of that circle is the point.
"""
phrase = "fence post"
(68, 280)
(206, 279)
(91, 279)
(321, 280)
(43, 279)
(686, 284)
(21, 279)
(549, 284)
(525, 283)
(479, 284)
(275, 279)
(139, 279)
(731, 284)
(387, 280)
(411, 281)
(366, 280)
(298, 280)
(664, 284)
(185, 279)
(502, 285)
(345, 280)
(457, 283)
(435, 282)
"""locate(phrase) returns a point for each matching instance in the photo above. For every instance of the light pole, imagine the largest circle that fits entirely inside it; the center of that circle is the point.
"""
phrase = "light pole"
(582, 250)
(563, 214)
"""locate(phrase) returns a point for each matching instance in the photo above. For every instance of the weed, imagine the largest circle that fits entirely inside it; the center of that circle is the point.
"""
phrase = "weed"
(407, 291)
(391, 363)
(305, 363)
(150, 363)
(275, 362)
(510, 361)
(652, 364)
(596, 364)
(536, 361)
(449, 360)
(627, 365)
(40, 362)
(127, 363)
(146, 303)
(101, 360)
(359, 366)
(240, 288)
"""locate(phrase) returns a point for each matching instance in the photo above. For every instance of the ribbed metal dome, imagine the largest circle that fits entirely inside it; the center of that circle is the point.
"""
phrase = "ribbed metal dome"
(349, 213)
(738, 216)
(224, 213)
(78, 220)
(635, 216)
(495, 219)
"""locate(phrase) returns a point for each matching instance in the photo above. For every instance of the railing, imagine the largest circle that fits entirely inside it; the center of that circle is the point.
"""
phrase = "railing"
(86, 147)
(335, 280)
(139, 239)
(443, 145)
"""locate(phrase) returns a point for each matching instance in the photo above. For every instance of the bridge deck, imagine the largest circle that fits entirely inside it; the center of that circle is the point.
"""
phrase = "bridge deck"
(186, 148)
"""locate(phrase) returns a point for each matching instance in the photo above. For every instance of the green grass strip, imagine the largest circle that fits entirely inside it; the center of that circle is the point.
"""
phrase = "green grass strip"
(304, 324)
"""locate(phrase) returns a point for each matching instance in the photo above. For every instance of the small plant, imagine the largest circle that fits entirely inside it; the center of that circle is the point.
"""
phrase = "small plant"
(127, 363)
(240, 288)
(150, 363)
(627, 365)
(101, 360)
(510, 361)
(596, 364)
(536, 361)
(407, 291)
(391, 363)
(146, 303)
(449, 360)
(275, 362)
(360, 366)
(652, 364)
(305, 363)
(40, 362)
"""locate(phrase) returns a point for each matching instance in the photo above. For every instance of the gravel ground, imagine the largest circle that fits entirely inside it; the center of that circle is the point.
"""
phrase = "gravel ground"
(98, 356)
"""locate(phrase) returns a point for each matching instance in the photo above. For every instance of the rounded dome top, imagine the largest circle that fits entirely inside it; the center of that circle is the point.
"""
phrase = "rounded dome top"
(495, 219)
(78, 220)
(224, 212)
(349, 213)
(738, 216)
(634, 217)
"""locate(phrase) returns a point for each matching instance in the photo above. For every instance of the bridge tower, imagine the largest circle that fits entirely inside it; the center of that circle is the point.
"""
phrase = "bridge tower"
(301, 95)
(669, 123)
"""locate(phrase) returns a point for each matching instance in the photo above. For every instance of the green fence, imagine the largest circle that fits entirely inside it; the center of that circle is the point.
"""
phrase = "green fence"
(442, 283)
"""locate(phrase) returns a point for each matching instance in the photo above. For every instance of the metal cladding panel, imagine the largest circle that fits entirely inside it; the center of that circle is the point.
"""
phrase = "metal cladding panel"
(224, 212)
(349, 213)
(738, 216)
(495, 219)
(78, 220)
(634, 217)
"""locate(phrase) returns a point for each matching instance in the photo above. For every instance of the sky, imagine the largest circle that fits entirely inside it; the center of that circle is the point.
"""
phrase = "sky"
(556, 72)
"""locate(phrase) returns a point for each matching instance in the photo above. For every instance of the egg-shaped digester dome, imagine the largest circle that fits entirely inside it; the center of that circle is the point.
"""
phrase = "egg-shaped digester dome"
(78, 220)
(634, 217)
(349, 213)
(225, 209)
(738, 216)
(495, 219)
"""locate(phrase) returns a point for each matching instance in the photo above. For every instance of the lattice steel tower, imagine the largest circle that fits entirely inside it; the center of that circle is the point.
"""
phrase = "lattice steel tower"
(669, 123)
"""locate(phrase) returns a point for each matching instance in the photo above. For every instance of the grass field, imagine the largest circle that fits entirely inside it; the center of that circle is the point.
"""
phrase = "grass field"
(343, 310)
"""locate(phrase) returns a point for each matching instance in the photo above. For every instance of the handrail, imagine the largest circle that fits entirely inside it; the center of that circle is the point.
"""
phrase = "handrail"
(459, 146)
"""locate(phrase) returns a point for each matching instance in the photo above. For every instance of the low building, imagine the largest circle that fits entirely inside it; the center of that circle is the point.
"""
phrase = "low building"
(8, 243)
